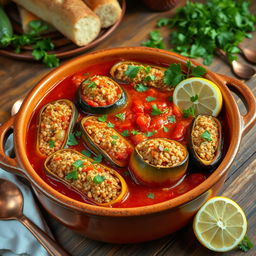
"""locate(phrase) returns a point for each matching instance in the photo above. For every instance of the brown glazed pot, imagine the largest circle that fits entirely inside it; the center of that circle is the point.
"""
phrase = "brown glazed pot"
(126, 225)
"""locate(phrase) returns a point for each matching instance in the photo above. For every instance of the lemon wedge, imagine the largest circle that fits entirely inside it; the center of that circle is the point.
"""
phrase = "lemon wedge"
(220, 224)
(199, 93)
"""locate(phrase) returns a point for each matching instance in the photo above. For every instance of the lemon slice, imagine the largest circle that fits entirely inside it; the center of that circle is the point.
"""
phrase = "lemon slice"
(220, 224)
(199, 93)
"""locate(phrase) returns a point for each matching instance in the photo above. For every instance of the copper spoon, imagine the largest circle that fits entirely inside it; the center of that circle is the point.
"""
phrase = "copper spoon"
(16, 106)
(248, 54)
(11, 206)
(242, 70)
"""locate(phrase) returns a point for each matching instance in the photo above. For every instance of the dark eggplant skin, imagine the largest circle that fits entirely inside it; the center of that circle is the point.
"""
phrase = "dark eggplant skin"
(195, 159)
(71, 125)
(108, 109)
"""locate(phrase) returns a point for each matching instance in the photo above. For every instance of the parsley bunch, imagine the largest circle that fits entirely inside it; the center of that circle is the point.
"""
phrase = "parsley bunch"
(39, 44)
(202, 28)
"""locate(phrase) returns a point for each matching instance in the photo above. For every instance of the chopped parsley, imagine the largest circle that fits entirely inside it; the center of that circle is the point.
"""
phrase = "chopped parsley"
(110, 125)
(125, 133)
(151, 195)
(166, 149)
(194, 98)
(72, 140)
(149, 78)
(149, 134)
(51, 143)
(86, 153)
(150, 98)
(173, 75)
(141, 88)
(113, 142)
(189, 112)
(170, 98)
(126, 173)
(86, 81)
(102, 118)
(146, 69)
(166, 129)
(72, 175)
(171, 119)
(155, 40)
(156, 111)
(245, 245)
(206, 135)
(132, 71)
(98, 179)
(97, 159)
(78, 134)
(115, 137)
(120, 116)
(134, 132)
(78, 163)
(198, 71)
(92, 85)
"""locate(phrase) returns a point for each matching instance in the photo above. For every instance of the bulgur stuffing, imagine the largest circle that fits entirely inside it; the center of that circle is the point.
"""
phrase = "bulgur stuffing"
(94, 180)
(148, 76)
(161, 153)
(55, 120)
(100, 91)
(205, 148)
(108, 139)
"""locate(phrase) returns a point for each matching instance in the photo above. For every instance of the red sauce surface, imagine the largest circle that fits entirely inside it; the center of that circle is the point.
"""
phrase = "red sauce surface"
(138, 117)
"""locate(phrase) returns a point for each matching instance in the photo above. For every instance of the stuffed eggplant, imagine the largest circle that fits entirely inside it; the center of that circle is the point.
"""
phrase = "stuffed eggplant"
(106, 141)
(101, 95)
(159, 162)
(56, 120)
(99, 184)
(206, 142)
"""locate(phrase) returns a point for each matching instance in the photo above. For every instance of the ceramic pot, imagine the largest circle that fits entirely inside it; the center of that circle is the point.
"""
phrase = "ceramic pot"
(137, 224)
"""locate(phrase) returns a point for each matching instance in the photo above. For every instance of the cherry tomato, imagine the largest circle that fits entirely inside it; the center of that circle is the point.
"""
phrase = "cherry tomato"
(143, 121)
(158, 123)
(138, 107)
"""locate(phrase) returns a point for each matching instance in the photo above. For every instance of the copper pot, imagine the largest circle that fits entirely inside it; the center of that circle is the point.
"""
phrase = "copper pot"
(131, 224)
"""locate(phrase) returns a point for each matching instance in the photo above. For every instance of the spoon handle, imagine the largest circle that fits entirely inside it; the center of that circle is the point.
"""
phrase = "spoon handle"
(47, 242)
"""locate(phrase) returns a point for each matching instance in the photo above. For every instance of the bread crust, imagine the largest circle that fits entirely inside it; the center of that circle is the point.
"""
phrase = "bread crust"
(71, 17)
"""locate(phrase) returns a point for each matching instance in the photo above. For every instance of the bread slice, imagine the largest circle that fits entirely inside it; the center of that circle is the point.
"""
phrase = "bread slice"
(26, 17)
(71, 17)
(109, 11)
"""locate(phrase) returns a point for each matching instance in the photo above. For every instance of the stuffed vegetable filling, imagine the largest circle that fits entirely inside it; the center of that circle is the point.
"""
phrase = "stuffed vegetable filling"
(94, 180)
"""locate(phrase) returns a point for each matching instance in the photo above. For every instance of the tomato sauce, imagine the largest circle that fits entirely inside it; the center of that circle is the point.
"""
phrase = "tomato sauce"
(148, 114)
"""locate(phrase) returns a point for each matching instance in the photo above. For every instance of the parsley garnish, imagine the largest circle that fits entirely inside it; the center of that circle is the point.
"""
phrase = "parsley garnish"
(198, 71)
(115, 137)
(120, 116)
(92, 85)
(140, 88)
(113, 142)
(149, 134)
(166, 129)
(166, 149)
(98, 179)
(194, 98)
(149, 99)
(149, 78)
(78, 134)
(206, 135)
(173, 75)
(134, 132)
(171, 119)
(126, 173)
(151, 195)
(110, 125)
(72, 175)
(97, 159)
(86, 153)
(102, 118)
(189, 112)
(156, 111)
(146, 69)
(132, 71)
(86, 81)
(155, 40)
(125, 133)
(78, 163)
(246, 244)
(170, 98)
(51, 143)
(72, 140)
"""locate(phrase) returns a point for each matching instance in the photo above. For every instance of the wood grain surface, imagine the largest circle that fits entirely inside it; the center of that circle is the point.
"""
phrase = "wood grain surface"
(18, 77)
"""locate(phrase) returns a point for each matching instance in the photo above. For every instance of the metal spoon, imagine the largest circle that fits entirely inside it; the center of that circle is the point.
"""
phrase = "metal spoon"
(249, 54)
(11, 206)
(242, 70)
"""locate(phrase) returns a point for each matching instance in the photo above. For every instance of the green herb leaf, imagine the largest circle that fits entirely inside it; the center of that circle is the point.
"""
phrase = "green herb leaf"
(149, 134)
(97, 159)
(51, 143)
(146, 69)
(92, 85)
(72, 140)
(155, 110)
(151, 195)
(198, 71)
(246, 244)
(171, 119)
(125, 133)
(113, 142)
(134, 132)
(110, 125)
(166, 149)
(126, 173)
(98, 179)
(150, 98)
(206, 135)
(86, 153)
(155, 40)
(115, 137)
(78, 134)
(149, 78)
(163, 22)
(78, 163)
(102, 118)
(132, 71)
(38, 54)
(51, 60)
(86, 81)
(72, 175)
(120, 116)
(141, 88)
(166, 129)
(194, 98)
(170, 98)
(189, 112)
(173, 75)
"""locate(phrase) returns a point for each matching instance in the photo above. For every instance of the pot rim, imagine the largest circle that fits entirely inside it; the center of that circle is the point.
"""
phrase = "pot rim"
(50, 192)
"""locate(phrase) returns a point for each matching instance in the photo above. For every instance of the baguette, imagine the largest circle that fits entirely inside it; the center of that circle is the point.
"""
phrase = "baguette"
(71, 17)
(26, 17)
(109, 11)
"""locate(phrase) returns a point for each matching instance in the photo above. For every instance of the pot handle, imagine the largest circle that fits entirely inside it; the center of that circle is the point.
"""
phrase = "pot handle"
(247, 97)
(6, 162)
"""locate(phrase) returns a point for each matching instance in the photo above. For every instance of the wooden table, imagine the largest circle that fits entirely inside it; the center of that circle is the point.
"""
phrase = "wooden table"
(18, 77)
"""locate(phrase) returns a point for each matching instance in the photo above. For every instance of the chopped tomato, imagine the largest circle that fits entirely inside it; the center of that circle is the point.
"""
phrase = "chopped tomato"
(176, 111)
(143, 121)
(136, 139)
(158, 123)
(138, 107)
(151, 92)
(77, 79)
(121, 155)
(87, 168)
(179, 131)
